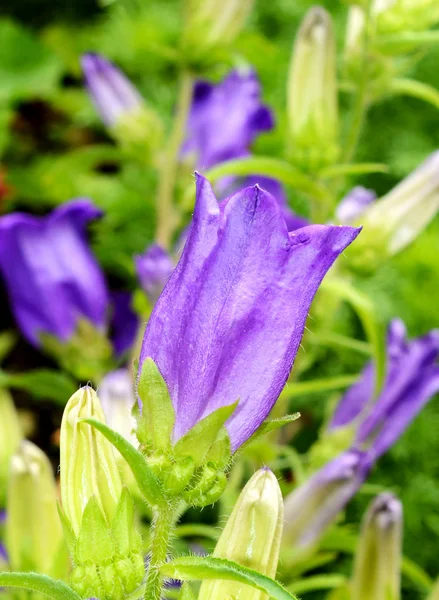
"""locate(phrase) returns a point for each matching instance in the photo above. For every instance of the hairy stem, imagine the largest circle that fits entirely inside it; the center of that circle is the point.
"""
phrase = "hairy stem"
(162, 527)
(168, 172)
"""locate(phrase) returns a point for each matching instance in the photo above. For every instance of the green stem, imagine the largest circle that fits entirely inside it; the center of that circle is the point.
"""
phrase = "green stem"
(166, 220)
(162, 527)
(361, 99)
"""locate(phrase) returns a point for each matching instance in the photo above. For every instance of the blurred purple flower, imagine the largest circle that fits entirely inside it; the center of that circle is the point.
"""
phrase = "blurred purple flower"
(412, 379)
(116, 393)
(314, 505)
(112, 93)
(224, 121)
(154, 268)
(124, 322)
(51, 275)
(352, 206)
(229, 322)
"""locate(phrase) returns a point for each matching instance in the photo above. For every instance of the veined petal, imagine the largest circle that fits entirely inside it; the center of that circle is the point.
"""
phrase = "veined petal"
(229, 322)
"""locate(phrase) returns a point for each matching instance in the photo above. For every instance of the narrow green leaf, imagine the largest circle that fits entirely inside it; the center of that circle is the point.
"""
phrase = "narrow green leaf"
(317, 582)
(146, 480)
(186, 593)
(42, 584)
(272, 167)
(193, 568)
(42, 383)
(198, 441)
(270, 425)
(416, 89)
(157, 420)
(352, 169)
(406, 40)
(328, 384)
(366, 312)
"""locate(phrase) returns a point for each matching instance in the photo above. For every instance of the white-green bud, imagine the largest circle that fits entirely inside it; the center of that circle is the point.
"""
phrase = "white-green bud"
(10, 436)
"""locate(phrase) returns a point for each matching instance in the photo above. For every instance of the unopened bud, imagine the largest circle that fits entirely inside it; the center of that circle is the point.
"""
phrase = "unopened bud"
(34, 535)
(10, 436)
(88, 464)
(377, 570)
(251, 537)
(395, 220)
(312, 92)
(213, 25)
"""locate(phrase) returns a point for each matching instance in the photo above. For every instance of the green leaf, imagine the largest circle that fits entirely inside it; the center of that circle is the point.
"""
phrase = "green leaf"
(68, 532)
(317, 582)
(186, 593)
(42, 584)
(193, 568)
(406, 40)
(352, 169)
(41, 383)
(270, 425)
(416, 89)
(158, 417)
(328, 384)
(95, 542)
(146, 480)
(124, 531)
(366, 311)
(199, 440)
(272, 167)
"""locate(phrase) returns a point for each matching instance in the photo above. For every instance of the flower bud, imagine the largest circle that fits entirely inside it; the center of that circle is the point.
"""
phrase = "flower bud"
(395, 220)
(377, 571)
(251, 537)
(88, 464)
(213, 25)
(312, 92)
(34, 537)
(10, 436)
(394, 16)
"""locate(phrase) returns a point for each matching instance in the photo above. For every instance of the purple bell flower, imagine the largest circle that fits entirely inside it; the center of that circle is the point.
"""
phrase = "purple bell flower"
(412, 379)
(112, 93)
(51, 275)
(153, 268)
(229, 322)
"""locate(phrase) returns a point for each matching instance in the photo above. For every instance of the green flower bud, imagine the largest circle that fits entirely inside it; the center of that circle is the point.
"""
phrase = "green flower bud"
(377, 571)
(251, 537)
(399, 16)
(10, 436)
(213, 25)
(34, 535)
(88, 464)
(312, 103)
(395, 220)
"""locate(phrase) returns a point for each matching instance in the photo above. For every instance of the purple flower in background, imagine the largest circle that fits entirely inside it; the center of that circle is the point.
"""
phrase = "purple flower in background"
(153, 269)
(116, 393)
(352, 206)
(412, 379)
(314, 505)
(225, 119)
(124, 322)
(112, 93)
(229, 322)
(51, 275)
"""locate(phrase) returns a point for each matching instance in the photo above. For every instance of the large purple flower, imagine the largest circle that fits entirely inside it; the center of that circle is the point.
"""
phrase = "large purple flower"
(51, 275)
(412, 379)
(229, 322)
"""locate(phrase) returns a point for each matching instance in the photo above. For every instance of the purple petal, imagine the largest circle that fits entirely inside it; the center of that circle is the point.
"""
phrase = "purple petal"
(353, 205)
(225, 119)
(124, 322)
(112, 93)
(313, 506)
(154, 268)
(229, 322)
(51, 275)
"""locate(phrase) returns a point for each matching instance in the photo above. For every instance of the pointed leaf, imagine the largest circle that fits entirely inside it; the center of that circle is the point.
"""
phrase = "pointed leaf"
(198, 441)
(193, 568)
(94, 540)
(42, 584)
(158, 416)
(221, 449)
(146, 480)
(68, 532)
(271, 425)
(124, 531)
(186, 593)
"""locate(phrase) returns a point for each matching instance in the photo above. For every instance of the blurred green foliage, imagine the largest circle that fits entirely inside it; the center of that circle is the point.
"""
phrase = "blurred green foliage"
(53, 147)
